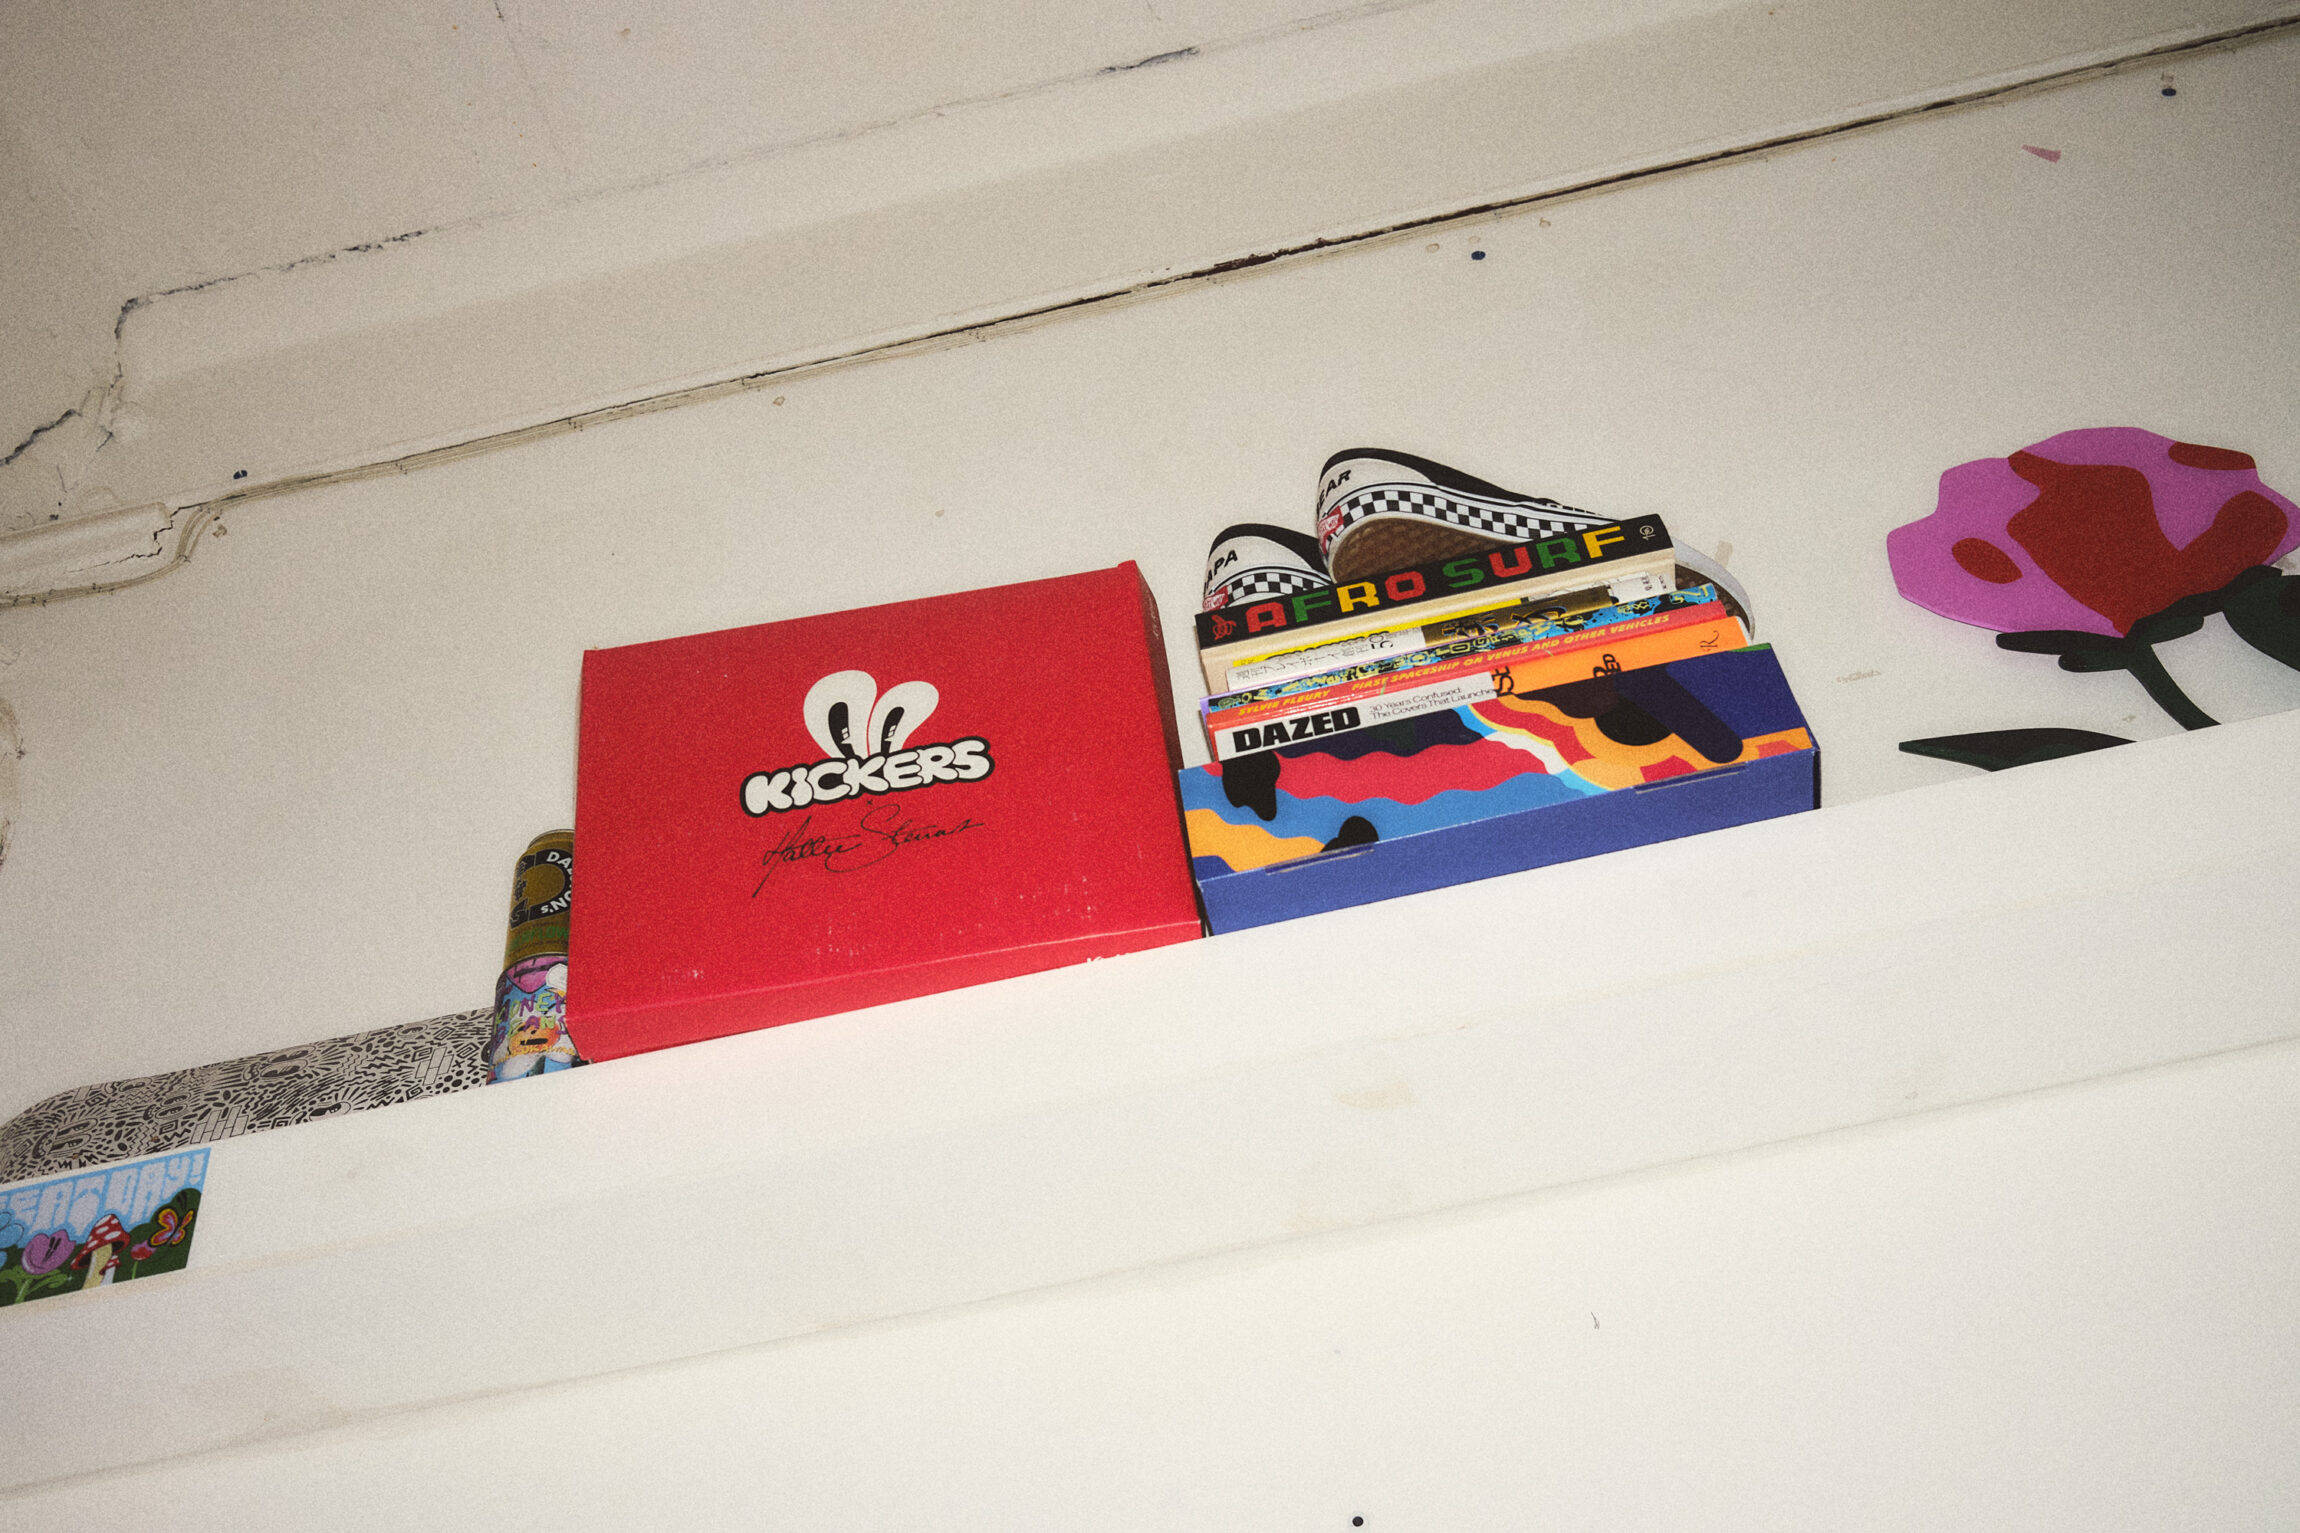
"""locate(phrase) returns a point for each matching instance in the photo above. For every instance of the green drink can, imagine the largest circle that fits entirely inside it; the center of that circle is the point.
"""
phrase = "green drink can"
(530, 1036)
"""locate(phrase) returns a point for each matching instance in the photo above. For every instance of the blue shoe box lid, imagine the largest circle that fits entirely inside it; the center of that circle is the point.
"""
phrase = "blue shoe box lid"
(1571, 771)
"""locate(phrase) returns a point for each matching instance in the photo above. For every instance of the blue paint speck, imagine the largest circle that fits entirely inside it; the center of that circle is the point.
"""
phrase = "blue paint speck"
(1477, 255)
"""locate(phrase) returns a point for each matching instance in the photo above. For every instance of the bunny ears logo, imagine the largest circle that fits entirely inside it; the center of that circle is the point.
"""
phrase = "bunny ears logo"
(865, 737)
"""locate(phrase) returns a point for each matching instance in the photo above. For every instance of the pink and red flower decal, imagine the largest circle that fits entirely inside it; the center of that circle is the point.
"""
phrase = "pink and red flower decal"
(2098, 545)
(2090, 530)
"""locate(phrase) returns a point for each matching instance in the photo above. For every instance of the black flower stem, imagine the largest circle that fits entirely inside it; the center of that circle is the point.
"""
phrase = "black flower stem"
(2152, 675)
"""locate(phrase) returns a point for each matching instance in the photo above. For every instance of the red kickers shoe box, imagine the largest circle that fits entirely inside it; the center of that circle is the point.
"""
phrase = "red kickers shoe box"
(810, 816)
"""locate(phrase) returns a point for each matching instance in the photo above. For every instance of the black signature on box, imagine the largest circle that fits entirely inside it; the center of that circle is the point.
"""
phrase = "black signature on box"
(883, 831)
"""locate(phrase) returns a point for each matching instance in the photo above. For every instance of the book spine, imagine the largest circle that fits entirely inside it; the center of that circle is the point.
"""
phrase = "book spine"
(1583, 553)
(1286, 664)
(1544, 596)
(1519, 641)
(1363, 705)
(1341, 652)
(1471, 633)
(1230, 741)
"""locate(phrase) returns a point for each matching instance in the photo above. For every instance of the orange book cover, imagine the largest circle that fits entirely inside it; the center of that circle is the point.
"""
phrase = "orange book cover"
(1503, 673)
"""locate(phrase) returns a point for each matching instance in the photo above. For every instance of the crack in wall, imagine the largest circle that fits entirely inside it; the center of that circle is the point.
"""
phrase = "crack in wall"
(534, 96)
(185, 525)
(72, 440)
(11, 786)
(38, 432)
(1167, 57)
(101, 404)
(277, 268)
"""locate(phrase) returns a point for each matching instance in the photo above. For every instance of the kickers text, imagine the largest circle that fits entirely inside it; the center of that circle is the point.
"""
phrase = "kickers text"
(840, 777)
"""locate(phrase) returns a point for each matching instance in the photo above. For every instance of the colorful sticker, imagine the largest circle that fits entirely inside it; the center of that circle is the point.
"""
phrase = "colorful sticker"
(98, 1227)
(530, 1032)
(2097, 546)
(531, 1020)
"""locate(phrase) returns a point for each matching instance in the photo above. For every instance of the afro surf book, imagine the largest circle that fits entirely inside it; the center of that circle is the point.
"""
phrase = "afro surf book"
(1625, 559)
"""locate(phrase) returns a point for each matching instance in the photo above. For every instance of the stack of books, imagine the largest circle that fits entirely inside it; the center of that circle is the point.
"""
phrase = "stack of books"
(1376, 730)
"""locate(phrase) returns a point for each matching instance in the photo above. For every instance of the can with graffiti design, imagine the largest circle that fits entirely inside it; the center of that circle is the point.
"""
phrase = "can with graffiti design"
(530, 1036)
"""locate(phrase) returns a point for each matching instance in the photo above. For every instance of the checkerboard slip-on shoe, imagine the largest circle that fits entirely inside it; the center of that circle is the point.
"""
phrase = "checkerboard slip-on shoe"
(1380, 511)
(1251, 562)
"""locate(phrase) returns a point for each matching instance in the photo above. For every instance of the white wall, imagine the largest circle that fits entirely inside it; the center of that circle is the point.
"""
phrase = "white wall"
(275, 796)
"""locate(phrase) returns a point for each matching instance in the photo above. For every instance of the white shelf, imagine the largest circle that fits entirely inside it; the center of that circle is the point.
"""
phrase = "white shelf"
(1948, 946)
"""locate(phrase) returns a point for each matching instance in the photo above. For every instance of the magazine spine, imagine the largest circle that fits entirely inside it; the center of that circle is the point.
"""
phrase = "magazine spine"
(1689, 605)
(1526, 642)
(1530, 668)
(1308, 660)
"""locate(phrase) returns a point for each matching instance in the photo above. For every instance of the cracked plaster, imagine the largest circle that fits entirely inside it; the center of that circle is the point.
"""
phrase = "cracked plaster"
(11, 779)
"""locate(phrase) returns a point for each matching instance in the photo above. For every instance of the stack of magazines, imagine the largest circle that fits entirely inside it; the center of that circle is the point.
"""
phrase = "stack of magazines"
(1448, 680)
(1502, 595)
